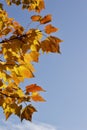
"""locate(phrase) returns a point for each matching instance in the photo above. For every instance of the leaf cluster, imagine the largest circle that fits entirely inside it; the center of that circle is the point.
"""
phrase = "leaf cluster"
(18, 52)
(31, 5)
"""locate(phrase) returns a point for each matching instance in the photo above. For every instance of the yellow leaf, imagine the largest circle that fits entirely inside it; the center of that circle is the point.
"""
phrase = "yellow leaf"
(20, 93)
(39, 34)
(32, 56)
(34, 47)
(36, 5)
(12, 109)
(1, 25)
(8, 2)
(25, 72)
(17, 79)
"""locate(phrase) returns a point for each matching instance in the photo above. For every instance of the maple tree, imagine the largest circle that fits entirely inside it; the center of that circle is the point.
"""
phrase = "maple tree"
(18, 50)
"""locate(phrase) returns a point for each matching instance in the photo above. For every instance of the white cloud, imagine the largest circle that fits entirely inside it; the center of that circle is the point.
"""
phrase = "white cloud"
(26, 126)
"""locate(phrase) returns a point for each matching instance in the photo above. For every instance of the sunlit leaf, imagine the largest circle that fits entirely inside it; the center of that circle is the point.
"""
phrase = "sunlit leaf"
(37, 98)
(32, 56)
(25, 72)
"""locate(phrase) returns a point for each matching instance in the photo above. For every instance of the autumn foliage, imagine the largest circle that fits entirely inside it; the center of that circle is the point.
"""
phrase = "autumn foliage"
(18, 50)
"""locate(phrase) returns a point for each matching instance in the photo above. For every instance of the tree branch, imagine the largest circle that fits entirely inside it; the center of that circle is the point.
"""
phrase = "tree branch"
(17, 37)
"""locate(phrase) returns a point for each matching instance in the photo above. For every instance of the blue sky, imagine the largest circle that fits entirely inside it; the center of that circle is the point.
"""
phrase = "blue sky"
(64, 76)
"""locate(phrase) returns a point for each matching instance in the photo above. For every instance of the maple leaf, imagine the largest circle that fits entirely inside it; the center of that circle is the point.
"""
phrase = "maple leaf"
(51, 44)
(27, 112)
(50, 29)
(34, 88)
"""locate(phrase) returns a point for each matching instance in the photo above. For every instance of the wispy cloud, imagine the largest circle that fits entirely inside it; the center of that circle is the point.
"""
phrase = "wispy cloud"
(26, 126)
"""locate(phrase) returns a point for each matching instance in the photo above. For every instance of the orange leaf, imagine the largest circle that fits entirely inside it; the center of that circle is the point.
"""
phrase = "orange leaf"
(46, 19)
(51, 44)
(50, 29)
(32, 56)
(36, 18)
(37, 98)
(33, 88)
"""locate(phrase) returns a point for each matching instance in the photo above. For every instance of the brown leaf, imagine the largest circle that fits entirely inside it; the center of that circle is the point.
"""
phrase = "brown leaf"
(51, 44)
(55, 39)
(27, 112)
(16, 109)
(55, 43)
(33, 88)
(46, 19)
(50, 29)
